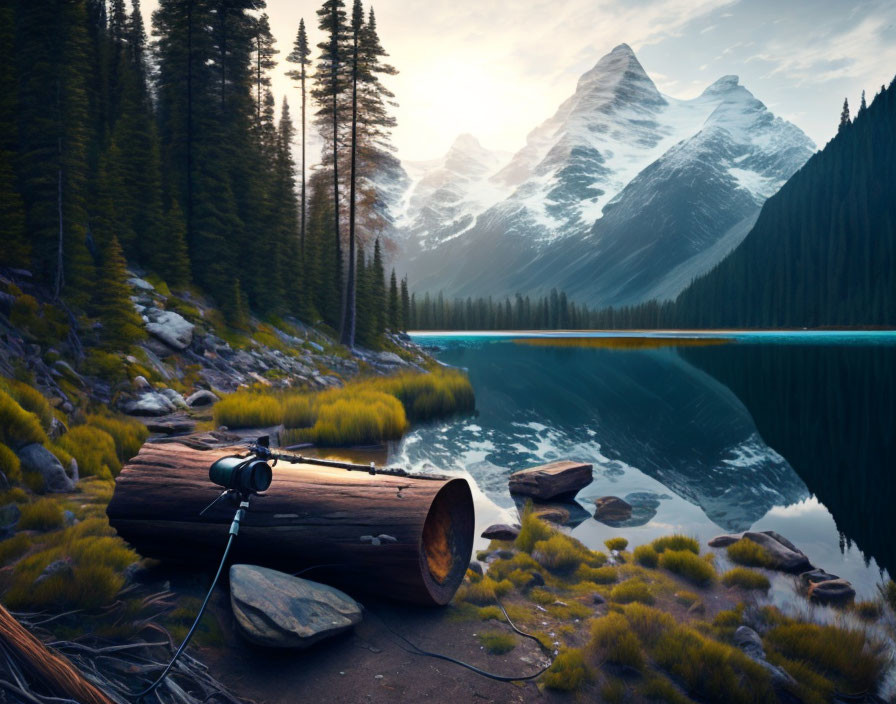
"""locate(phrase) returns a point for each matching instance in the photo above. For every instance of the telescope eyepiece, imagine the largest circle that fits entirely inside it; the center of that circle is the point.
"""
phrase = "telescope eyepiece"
(244, 475)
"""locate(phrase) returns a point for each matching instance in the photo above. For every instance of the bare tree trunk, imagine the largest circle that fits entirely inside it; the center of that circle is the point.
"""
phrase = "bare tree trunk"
(349, 340)
(302, 231)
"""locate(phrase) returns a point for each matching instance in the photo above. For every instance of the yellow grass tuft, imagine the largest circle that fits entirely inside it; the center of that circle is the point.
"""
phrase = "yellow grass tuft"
(616, 544)
(746, 552)
(612, 639)
(497, 642)
(568, 672)
(676, 541)
(560, 553)
(687, 565)
(18, 427)
(127, 434)
(646, 555)
(631, 590)
(745, 578)
(10, 464)
(94, 449)
(43, 514)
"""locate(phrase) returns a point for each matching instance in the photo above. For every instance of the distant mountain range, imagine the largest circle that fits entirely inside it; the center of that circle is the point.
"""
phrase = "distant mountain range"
(624, 195)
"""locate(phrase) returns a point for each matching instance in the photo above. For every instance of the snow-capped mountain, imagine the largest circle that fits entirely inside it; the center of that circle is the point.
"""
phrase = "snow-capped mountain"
(623, 195)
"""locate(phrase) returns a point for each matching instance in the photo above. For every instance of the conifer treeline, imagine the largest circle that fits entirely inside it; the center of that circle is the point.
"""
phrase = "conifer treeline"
(173, 153)
(822, 253)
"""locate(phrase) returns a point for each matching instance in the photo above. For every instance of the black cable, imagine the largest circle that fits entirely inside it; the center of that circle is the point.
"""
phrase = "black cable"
(192, 630)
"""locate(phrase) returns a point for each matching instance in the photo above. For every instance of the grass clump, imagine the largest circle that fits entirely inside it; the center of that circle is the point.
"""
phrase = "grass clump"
(613, 640)
(631, 590)
(349, 417)
(645, 555)
(496, 642)
(852, 660)
(687, 598)
(542, 596)
(532, 530)
(868, 610)
(598, 575)
(687, 565)
(30, 399)
(745, 578)
(659, 689)
(127, 434)
(484, 591)
(248, 409)
(619, 544)
(13, 548)
(94, 449)
(560, 553)
(437, 394)
(43, 515)
(18, 427)
(746, 552)
(568, 672)
(10, 464)
(489, 613)
(676, 541)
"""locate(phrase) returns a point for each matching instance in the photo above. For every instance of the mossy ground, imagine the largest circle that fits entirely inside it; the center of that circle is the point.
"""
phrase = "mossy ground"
(660, 626)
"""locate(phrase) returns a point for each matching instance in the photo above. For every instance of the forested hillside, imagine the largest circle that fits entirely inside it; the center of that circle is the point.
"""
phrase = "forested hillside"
(168, 153)
(823, 251)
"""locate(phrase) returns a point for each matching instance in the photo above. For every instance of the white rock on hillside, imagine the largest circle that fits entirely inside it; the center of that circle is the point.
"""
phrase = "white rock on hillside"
(169, 327)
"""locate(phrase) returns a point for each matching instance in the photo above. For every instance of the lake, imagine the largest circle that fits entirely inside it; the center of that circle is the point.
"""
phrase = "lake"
(792, 432)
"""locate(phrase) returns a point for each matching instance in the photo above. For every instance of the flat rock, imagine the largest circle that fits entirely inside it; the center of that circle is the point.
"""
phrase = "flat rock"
(548, 481)
(817, 575)
(169, 327)
(203, 397)
(171, 425)
(150, 403)
(278, 610)
(552, 514)
(784, 557)
(612, 508)
(832, 591)
(36, 458)
(501, 531)
(723, 541)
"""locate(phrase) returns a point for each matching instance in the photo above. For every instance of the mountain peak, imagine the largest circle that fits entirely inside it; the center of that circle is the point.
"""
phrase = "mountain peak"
(723, 85)
(465, 142)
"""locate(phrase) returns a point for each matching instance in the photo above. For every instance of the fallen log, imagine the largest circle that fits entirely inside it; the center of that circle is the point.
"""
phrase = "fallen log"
(52, 671)
(408, 538)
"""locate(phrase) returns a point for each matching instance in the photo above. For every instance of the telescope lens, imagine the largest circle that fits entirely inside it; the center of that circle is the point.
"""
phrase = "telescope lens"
(247, 476)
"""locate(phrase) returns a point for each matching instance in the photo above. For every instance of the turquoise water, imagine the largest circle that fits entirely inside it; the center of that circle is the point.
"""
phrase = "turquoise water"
(790, 431)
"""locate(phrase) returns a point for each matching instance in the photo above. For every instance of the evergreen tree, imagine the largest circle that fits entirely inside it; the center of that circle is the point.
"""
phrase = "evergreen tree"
(844, 116)
(14, 246)
(121, 326)
(394, 304)
(406, 322)
(299, 55)
(263, 61)
(862, 105)
(173, 263)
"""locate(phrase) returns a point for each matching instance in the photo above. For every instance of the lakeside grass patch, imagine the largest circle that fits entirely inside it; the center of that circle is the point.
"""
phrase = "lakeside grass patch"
(646, 555)
(630, 590)
(568, 672)
(688, 565)
(496, 642)
(745, 578)
(746, 552)
(612, 639)
(18, 427)
(676, 541)
(363, 412)
(619, 544)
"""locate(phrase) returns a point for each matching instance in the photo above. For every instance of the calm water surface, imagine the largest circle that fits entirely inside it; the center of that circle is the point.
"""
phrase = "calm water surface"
(786, 431)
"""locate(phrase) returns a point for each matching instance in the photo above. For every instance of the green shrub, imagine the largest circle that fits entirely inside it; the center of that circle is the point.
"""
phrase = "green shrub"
(849, 656)
(94, 449)
(688, 565)
(659, 689)
(437, 394)
(746, 552)
(484, 591)
(349, 417)
(299, 411)
(613, 640)
(521, 561)
(13, 548)
(631, 590)
(87, 587)
(647, 622)
(30, 399)
(106, 365)
(686, 598)
(246, 409)
(127, 433)
(542, 596)
(489, 613)
(745, 578)
(43, 321)
(18, 427)
(560, 553)
(676, 541)
(616, 544)
(10, 464)
(568, 672)
(496, 642)
(43, 514)
(598, 575)
(15, 495)
(646, 555)
(532, 530)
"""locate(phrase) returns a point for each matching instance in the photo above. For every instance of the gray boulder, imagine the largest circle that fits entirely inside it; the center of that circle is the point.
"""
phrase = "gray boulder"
(612, 508)
(203, 397)
(169, 327)
(750, 643)
(723, 541)
(278, 610)
(150, 403)
(501, 531)
(174, 397)
(783, 556)
(36, 458)
(832, 591)
(817, 575)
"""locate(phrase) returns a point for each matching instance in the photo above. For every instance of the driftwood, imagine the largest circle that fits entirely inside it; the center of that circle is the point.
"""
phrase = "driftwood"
(408, 538)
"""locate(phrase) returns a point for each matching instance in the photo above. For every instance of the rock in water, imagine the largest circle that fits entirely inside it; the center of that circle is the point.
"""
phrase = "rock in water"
(549, 481)
(723, 541)
(278, 610)
(36, 458)
(832, 591)
(501, 531)
(783, 555)
(814, 576)
(169, 327)
(612, 508)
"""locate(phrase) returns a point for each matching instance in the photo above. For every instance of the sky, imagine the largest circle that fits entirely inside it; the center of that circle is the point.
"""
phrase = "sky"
(497, 68)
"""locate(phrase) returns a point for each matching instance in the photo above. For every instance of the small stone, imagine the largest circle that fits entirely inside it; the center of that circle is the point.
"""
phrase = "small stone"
(723, 541)
(174, 397)
(69, 518)
(57, 428)
(612, 508)
(504, 554)
(61, 567)
(598, 598)
(553, 514)
(535, 580)
(783, 554)
(147, 404)
(501, 531)
(476, 567)
(817, 575)
(203, 397)
(141, 384)
(36, 458)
